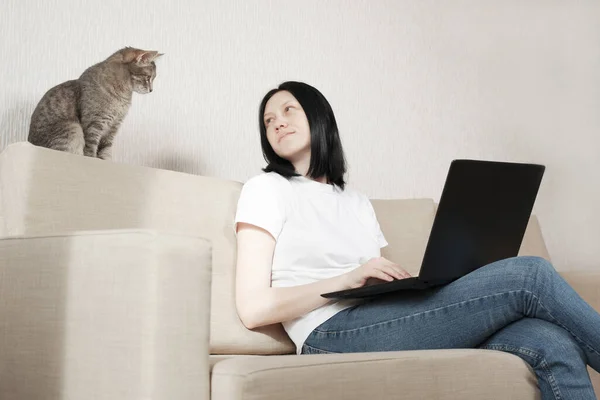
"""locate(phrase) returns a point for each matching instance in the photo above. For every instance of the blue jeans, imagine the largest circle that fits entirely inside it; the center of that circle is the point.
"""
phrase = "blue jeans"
(519, 305)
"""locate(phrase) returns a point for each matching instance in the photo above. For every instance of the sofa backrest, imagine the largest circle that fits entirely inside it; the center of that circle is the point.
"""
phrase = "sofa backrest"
(46, 191)
(49, 191)
(405, 223)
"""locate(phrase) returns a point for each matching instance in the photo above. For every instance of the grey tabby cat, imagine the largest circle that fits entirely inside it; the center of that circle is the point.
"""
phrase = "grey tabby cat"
(83, 116)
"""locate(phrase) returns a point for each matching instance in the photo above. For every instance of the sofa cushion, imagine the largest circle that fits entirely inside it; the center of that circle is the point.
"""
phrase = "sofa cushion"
(427, 374)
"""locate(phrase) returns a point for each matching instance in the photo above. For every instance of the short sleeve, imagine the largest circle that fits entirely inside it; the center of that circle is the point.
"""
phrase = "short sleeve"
(261, 204)
(374, 223)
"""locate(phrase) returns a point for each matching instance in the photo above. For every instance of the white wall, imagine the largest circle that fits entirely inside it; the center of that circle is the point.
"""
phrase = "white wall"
(414, 84)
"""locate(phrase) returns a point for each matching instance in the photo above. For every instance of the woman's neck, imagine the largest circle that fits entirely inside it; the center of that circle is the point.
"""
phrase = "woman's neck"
(301, 166)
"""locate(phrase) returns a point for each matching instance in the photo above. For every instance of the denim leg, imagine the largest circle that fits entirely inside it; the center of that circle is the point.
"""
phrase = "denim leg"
(558, 361)
(464, 313)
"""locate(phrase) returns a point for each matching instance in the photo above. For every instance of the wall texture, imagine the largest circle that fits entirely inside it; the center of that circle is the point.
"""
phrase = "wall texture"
(414, 84)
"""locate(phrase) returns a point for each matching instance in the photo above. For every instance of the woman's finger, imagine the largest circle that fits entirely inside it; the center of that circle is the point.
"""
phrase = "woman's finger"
(380, 274)
(390, 272)
(405, 273)
(399, 270)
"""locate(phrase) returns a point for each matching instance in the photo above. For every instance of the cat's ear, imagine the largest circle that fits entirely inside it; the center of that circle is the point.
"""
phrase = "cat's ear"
(140, 57)
(145, 57)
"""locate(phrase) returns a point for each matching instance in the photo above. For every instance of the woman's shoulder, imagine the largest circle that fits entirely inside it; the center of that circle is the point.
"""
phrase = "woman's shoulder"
(267, 183)
(355, 195)
(267, 179)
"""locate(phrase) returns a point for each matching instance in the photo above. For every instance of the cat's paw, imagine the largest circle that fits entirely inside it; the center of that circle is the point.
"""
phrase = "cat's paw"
(105, 155)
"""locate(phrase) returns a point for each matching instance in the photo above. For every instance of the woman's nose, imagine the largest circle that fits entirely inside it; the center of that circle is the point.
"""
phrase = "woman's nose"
(280, 123)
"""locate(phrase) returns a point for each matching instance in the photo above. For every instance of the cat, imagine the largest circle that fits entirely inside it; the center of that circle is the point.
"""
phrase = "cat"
(83, 116)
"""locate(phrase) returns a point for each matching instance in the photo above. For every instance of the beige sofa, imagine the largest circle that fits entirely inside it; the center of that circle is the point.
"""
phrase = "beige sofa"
(104, 294)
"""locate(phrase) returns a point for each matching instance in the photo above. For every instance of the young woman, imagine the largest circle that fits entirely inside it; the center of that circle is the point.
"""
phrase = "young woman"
(301, 232)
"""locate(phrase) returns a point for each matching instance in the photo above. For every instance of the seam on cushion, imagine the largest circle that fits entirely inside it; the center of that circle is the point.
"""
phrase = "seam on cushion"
(386, 360)
(305, 366)
(103, 232)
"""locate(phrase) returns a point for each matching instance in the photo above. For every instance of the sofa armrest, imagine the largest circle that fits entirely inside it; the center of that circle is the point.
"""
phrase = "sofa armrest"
(427, 374)
(116, 314)
(586, 283)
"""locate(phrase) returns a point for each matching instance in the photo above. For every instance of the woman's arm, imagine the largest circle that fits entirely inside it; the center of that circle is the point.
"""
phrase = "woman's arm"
(257, 302)
(260, 304)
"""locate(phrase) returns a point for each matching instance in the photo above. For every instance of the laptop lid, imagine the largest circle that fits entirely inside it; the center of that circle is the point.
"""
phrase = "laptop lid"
(482, 215)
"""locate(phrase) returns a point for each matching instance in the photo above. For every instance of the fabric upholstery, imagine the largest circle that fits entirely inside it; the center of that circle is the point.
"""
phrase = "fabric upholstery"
(105, 315)
(445, 374)
(49, 191)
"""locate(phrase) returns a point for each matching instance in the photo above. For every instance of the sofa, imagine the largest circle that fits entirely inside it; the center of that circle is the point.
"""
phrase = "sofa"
(117, 282)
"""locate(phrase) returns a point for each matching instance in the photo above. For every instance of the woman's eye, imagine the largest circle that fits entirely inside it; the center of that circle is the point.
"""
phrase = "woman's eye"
(288, 108)
(267, 121)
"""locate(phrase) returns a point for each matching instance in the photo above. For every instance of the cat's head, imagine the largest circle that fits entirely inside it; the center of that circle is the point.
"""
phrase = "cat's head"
(142, 76)
(141, 66)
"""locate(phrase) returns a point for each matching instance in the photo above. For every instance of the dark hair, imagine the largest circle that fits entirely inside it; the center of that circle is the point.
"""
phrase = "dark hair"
(327, 156)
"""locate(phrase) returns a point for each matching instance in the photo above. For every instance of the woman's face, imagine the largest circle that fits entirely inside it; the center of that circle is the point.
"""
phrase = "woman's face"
(287, 127)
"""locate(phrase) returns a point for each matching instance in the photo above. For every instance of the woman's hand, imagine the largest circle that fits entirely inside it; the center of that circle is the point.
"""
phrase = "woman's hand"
(378, 268)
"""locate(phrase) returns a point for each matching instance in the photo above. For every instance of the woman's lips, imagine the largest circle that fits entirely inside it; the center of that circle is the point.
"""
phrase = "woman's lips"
(284, 135)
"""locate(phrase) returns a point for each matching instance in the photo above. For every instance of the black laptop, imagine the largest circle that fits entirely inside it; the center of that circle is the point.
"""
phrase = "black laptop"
(482, 215)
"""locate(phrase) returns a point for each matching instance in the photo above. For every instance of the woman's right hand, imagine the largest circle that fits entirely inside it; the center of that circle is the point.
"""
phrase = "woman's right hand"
(378, 268)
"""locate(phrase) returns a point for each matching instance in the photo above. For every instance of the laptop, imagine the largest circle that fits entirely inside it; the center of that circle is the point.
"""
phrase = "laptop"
(482, 215)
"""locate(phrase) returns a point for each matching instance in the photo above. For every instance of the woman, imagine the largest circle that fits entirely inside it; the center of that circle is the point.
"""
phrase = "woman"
(301, 233)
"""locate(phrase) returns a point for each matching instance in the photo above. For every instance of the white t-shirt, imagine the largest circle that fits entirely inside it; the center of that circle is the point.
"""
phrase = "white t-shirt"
(320, 232)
